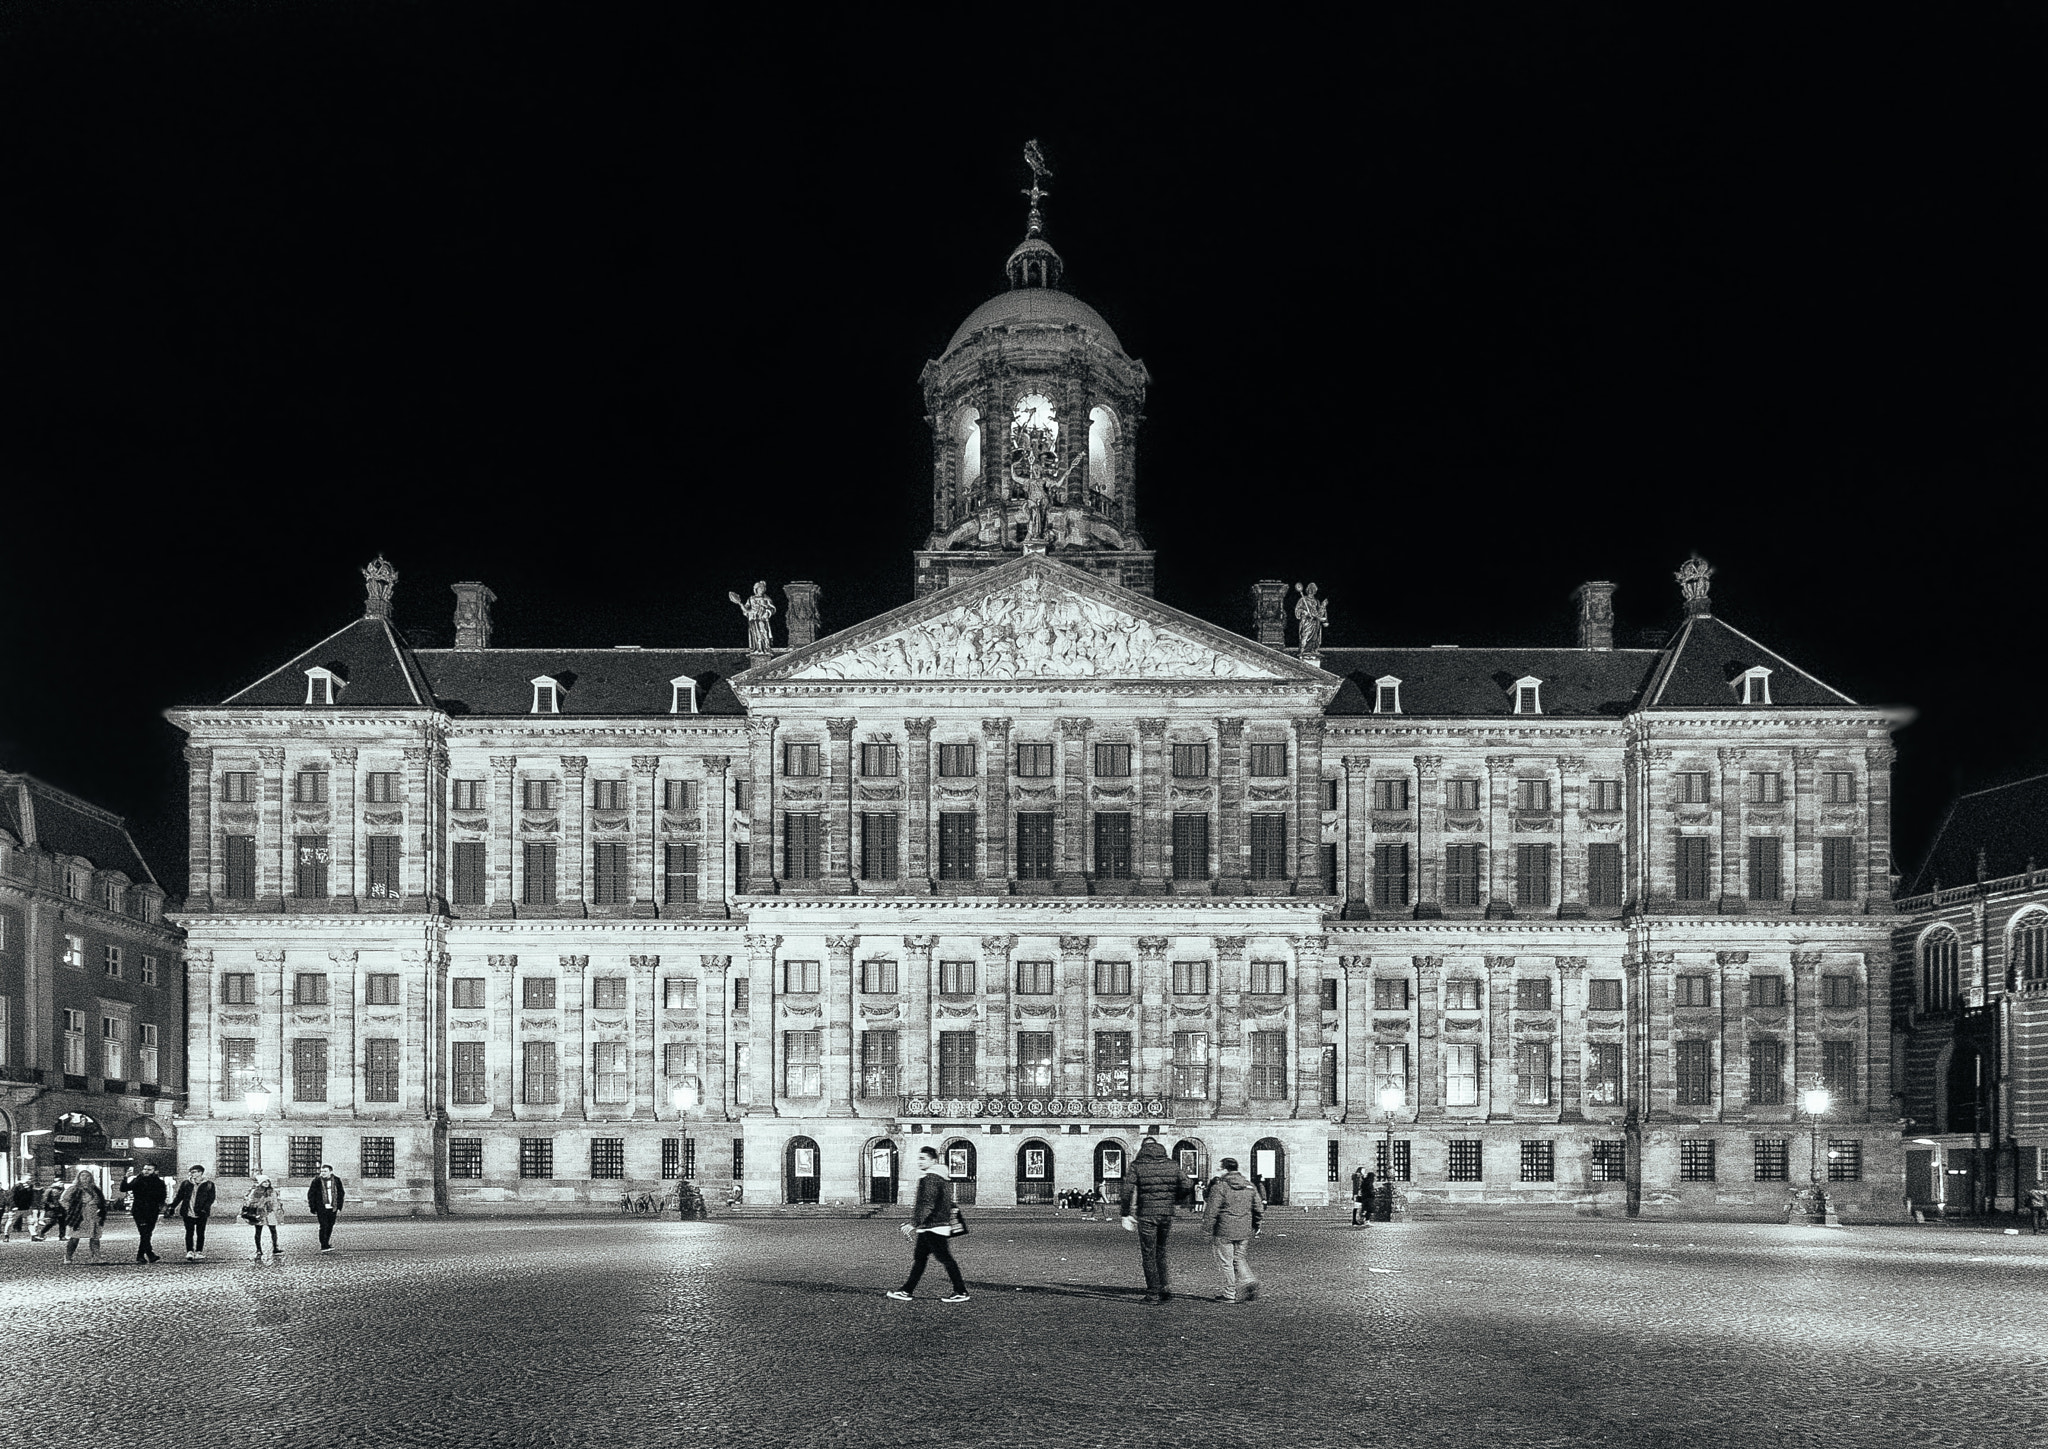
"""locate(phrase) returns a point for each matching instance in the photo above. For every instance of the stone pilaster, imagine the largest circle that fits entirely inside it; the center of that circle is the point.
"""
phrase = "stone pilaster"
(1232, 863)
(273, 1059)
(763, 864)
(570, 994)
(1153, 819)
(1874, 887)
(1428, 867)
(1802, 861)
(1571, 864)
(346, 1029)
(1355, 1039)
(1804, 1021)
(1073, 868)
(1429, 1016)
(838, 854)
(646, 806)
(202, 1058)
(574, 871)
(1308, 1024)
(1500, 866)
(643, 981)
(915, 1046)
(1497, 1092)
(1154, 1043)
(714, 1000)
(203, 869)
(1308, 806)
(1357, 883)
(714, 857)
(998, 1066)
(1571, 1037)
(917, 805)
(1072, 1030)
(501, 1053)
(995, 815)
(417, 972)
(273, 846)
(504, 832)
(838, 1025)
(1650, 1020)
(761, 1018)
(412, 835)
(1728, 848)
(1231, 1066)
(345, 847)
(1731, 1042)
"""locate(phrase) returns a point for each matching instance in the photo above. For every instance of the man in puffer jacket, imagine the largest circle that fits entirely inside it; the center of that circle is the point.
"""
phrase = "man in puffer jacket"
(1154, 1185)
(1232, 1220)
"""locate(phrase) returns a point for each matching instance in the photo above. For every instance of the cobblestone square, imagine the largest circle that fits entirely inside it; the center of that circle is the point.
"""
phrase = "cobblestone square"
(774, 1332)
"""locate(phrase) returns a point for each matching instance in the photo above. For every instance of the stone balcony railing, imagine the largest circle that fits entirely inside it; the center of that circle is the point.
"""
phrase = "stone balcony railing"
(1041, 1109)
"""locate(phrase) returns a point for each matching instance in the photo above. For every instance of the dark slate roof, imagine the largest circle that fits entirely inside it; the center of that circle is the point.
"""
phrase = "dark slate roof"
(370, 656)
(606, 682)
(1702, 664)
(2009, 824)
(1582, 683)
(67, 825)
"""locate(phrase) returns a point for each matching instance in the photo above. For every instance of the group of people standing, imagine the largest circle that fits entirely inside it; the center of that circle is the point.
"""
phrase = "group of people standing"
(78, 1210)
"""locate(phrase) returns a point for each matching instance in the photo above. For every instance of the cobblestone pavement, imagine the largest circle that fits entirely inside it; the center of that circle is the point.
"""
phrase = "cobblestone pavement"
(769, 1332)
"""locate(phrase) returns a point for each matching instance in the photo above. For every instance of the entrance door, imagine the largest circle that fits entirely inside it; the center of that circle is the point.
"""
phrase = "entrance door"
(1034, 1175)
(1109, 1169)
(1269, 1170)
(800, 1168)
(1920, 1179)
(960, 1168)
(881, 1172)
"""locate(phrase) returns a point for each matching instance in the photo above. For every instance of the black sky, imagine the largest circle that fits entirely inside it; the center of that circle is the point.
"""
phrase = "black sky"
(1448, 308)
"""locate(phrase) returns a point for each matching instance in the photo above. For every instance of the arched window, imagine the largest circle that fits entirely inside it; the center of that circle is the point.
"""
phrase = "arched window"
(1940, 970)
(2030, 949)
(1034, 1174)
(1269, 1170)
(1035, 429)
(1102, 446)
(970, 454)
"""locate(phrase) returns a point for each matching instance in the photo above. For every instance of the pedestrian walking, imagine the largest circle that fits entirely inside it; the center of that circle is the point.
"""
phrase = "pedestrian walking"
(84, 1210)
(194, 1204)
(931, 1227)
(1232, 1221)
(1357, 1195)
(1368, 1197)
(19, 1210)
(261, 1209)
(2037, 1206)
(323, 1200)
(146, 1193)
(53, 1212)
(1154, 1185)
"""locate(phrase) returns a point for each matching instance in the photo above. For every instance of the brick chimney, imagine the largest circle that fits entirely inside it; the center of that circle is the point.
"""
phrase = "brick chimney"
(802, 619)
(1595, 602)
(472, 614)
(1269, 611)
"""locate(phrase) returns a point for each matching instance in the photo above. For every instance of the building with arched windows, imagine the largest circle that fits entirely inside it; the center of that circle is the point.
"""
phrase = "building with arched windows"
(1970, 1004)
(1038, 866)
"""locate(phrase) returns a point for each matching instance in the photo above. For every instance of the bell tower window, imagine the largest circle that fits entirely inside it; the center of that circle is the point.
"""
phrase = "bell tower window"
(1102, 442)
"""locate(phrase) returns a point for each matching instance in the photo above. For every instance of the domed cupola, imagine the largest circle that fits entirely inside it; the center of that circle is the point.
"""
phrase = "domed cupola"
(1034, 409)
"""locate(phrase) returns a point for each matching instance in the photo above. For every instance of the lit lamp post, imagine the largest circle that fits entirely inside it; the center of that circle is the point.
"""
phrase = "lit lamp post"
(1816, 1102)
(258, 1101)
(1391, 1098)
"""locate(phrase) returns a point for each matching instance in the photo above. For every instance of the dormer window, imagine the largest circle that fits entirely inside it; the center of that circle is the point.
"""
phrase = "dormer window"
(1386, 698)
(1755, 685)
(682, 695)
(1529, 695)
(547, 696)
(321, 685)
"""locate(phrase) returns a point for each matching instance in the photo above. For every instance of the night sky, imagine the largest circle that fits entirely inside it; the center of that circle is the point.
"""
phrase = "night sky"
(1447, 308)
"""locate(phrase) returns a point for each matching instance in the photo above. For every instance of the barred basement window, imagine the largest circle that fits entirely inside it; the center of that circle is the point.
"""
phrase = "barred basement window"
(380, 1157)
(879, 832)
(1767, 1073)
(956, 762)
(1837, 868)
(1773, 1159)
(1267, 759)
(1766, 873)
(1269, 846)
(803, 1064)
(1268, 1080)
(1034, 762)
(739, 1158)
(1603, 993)
(803, 976)
(1112, 761)
(231, 1156)
(471, 871)
(1190, 762)
(1532, 993)
(607, 1157)
(1539, 1161)
(536, 1157)
(1766, 991)
(1403, 1159)
(1610, 1161)
(1693, 1067)
(1034, 978)
(1390, 875)
(1463, 1162)
(1461, 993)
(1461, 875)
(1268, 978)
(470, 1079)
(671, 1158)
(1845, 1160)
(1112, 978)
(1330, 1164)
(800, 846)
(380, 1069)
(465, 1157)
(1190, 846)
(536, 993)
(302, 1157)
(1390, 794)
(608, 993)
(1461, 794)
(1695, 1159)
(1390, 993)
(1112, 845)
(611, 874)
(800, 760)
(882, 978)
(679, 874)
(1603, 794)
(1034, 844)
(1838, 991)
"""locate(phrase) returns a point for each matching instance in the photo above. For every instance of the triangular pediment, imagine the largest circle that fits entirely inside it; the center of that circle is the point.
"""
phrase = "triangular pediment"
(1036, 620)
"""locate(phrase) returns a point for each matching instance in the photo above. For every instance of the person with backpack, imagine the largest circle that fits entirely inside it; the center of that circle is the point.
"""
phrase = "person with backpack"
(1232, 1221)
(1154, 1186)
(933, 1223)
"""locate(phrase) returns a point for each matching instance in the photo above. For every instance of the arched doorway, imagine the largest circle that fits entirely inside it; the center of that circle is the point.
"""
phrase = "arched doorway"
(800, 1170)
(1110, 1162)
(880, 1171)
(1034, 1174)
(1269, 1170)
(1193, 1160)
(959, 1158)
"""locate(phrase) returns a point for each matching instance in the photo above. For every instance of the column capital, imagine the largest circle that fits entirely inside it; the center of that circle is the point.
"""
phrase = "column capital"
(503, 963)
(1229, 727)
(1311, 945)
(342, 958)
(1356, 764)
(994, 946)
(1807, 959)
(575, 764)
(343, 754)
(920, 729)
(1878, 756)
(762, 945)
(1076, 945)
(1151, 729)
(1074, 727)
(920, 946)
(1731, 754)
(1427, 965)
(1500, 965)
(271, 958)
(717, 764)
(1571, 967)
(1428, 764)
(647, 764)
(1731, 958)
(575, 963)
(1805, 755)
(1571, 764)
(505, 763)
(839, 729)
(1230, 946)
(1311, 724)
(414, 754)
(760, 726)
(644, 963)
(271, 757)
(991, 727)
(1154, 948)
(714, 962)
(1500, 762)
(1355, 965)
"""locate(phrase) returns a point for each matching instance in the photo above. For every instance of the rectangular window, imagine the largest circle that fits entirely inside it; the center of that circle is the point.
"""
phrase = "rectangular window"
(1402, 1169)
(742, 1074)
(471, 872)
(607, 1157)
(1268, 978)
(309, 1069)
(1034, 762)
(608, 993)
(1390, 993)
(1461, 993)
(1112, 978)
(1773, 1159)
(1190, 845)
(611, 874)
(1112, 845)
(741, 989)
(380, 988)
(1838, 991)
(380, 1157)
(675, 796)
(1463, 1160)
(1034, 844)
(1532, 875)
(1837, 868)
(1268, 1079)
(1838, 787)
(241, 867)
(1191, 978)
(1461, 795)
(1269, 846)
(742, 864)
(678, 1059)
(302, 1157)
(112, 1049)
(679, 874)
(1113, 761)
(607, 794)
(1838, 1072)
(1693, 882)
(1533, 796)
(878, 835)
(1695, 1159)
(472, 794)
(1389, 1072)
(1610, 1161)
(309, 988)
(1190, 762)
(1603, 794)
(537, 886)
(536, 1157)
(1034, 1061)
(1034, 978)
(1532, 993)
(380, 1069)
(1603, 1073)
(800, 760)
(801, 837)
(110, 961)
(879, 761)
(309, 787)
(956, 845)
(238, 787)
(1267, 759)
(956, 978)
(1766, 787)
(309, 870)
(470, 1082)
(231, 1156)
(1532, 1073)
(671, 1158)
(739, 1158)
(145, 1048)
(465, 1157)
(1767, 1073)
(879, 978)
(1695, 787)
(1326, 1078)
(957, 1073)
(74, 1042)
(880, 1063)
(1766, 991)
(1327, 993)
(956, 762)
(1693, 1068)
(539, 794)
(1461, 875)
(803, 976)
(1461, 1074)
(1603, 993)
(541, 1080)
(1112, 1064)
(537, 993)
(1845, 1160)
(1390, 794)
(1766, 875)
(237, 1067)
(1539, 1161)
(1390, 875)
(1692, 990)
(1191, 1065)
(382, 788)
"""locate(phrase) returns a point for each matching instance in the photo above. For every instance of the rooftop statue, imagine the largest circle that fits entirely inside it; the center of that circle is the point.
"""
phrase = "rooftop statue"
(758, 609)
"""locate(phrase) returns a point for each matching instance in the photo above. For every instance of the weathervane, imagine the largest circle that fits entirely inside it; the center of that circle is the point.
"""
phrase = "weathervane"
(1035, 159)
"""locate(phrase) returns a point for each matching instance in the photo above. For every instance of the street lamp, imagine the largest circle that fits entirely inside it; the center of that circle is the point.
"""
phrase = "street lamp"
(1391, 1098)
(258, 1101)
(1816, 1103)
(684, 1096)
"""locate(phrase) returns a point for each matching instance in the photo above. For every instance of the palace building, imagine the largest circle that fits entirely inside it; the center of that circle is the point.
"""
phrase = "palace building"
(1035, 867)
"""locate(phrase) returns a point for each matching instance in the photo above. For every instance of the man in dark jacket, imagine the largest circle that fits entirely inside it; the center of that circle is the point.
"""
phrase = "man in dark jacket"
(146, 1193)
(1154, 1185)
(21, 1202)
(194, 1203)
(53, 1211)
(323, 1200)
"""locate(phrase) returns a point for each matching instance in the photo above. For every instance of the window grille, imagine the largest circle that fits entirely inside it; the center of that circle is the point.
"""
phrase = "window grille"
(1838, 787)
(878, 837)
(956, 845)
(302, 1157)
(1267, 759)
(465, 1157)
(1112, 845)
(380, 1157)
(1461, 795)
(880, 761)
(471, 1081)
(1539, 1161)
(1767, 1073)
(1461, 994)
(1696, 1159)
(1190, 846)
(537, 993)
(1693, 1061)
(1766, 874)
(1034, 1061)
(1610, 1161)
(1845, 1160)
(1035, 845)
(380, 1069)
(231, 1156)
(607, 1157)
(611, 867)
(957, 1071)
(679, 874)
(1402, 1165)
(1390, 794)
(1532, 875)
(956, 978)
(1695, 787)
(1269, 846)
(1532, 796)
(1268, 978)
(542, 1082)
(1390, 993)
(800, 760)
(1191, 978)
(956, 762)
(1268, 1079)
(1766, 787)
(538, 876)
(238, 787)
(1463, 1160)
(539, 794)
(1191, 1065)
(801, 835)
(309, 1069)
(1773, 1159)
(879, 978)
(608, 993)
(803, 1064)
(1692, 990)
(1532, 1073)
(1603, 794)
(1113, 761)
(536, 1157)
(310, 787)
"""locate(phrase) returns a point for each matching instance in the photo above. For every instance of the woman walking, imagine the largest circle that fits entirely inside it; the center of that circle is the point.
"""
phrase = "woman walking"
(83, 1209)
(260, 1211)
(931, 1226)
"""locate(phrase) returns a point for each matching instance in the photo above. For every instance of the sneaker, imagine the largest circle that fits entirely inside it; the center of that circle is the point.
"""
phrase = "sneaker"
(199, 1257)
(1251, 1291)
(327, 1250)
(188, 1257)
(1151, 1297)
(954, 1298)
(898, 1294)
(154, 1258)
(1225, 1298)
